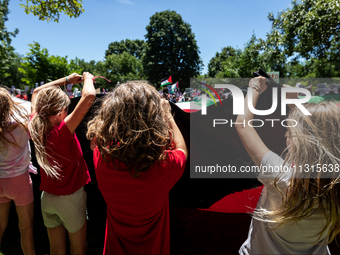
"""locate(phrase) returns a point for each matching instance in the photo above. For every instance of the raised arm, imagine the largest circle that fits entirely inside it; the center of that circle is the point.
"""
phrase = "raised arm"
(72, 78)
(249, 137)
(87, 98)
(178, 139)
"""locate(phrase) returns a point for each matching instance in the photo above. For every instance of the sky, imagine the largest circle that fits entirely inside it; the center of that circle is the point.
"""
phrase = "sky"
(216, 24)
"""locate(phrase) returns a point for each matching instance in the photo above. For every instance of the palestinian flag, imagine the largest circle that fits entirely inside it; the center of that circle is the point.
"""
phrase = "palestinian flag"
(166, 81)
(173, 87)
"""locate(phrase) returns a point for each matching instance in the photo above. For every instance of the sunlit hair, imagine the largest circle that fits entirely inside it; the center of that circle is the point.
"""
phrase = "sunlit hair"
(314, 140)
(131, 126)
(12, 115)
(49, 101)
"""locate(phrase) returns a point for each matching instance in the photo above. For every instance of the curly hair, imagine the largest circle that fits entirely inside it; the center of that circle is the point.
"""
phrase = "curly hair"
(12, 115)
(49, 101)
(131, 126)
(314, 141)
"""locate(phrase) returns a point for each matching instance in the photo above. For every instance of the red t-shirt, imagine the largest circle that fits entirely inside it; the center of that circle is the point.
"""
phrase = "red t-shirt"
(24, 97)
(138, 208)
(65, 148)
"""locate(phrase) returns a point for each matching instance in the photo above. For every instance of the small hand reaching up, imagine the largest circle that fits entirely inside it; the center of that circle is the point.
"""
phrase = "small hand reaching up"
(259, 83)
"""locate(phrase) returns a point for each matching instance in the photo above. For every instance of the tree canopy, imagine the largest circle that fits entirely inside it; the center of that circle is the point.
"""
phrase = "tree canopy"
(133, 47)
(309, 27)
(237, 63)
(171, 49)
(39, 66)
(51, 9)
(215, 64)
(7, 55)
(120, 68)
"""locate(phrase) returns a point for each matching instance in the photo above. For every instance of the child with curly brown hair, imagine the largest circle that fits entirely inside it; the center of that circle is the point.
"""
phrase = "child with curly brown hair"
(139, 155)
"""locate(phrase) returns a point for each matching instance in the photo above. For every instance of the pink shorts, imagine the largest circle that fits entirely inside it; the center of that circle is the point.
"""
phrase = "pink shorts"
(19, 189)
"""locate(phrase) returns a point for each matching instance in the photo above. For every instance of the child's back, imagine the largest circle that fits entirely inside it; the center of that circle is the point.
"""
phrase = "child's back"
(138, 208)
(15, 159)
(132, 133)
(298, 212)
(15, 181)
(290, 237)
(63, 169)
(65, 149)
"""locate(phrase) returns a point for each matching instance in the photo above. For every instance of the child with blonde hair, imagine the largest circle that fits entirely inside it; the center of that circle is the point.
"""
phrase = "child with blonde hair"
(63, 168)
(15, 182)
(139, 155)
(298, 211)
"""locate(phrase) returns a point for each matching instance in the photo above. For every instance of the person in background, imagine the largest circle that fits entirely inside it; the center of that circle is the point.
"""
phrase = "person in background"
(173, 99)
(22, 95)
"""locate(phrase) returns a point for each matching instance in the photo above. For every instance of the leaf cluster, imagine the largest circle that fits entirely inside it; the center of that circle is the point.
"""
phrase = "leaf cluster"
(133, 47)
(310, 28)
(51, 9)
(39, 66)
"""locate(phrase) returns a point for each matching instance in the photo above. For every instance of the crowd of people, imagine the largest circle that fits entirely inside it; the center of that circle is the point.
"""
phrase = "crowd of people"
(18, 93)
(139, 154)
(192, 95)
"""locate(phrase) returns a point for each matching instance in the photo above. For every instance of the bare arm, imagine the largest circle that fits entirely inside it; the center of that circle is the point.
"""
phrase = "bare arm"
(73, 78)
(178, 139)
(87, 98)
(249, 137)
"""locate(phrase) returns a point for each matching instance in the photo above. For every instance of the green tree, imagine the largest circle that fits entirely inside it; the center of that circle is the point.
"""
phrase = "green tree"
(51, 9)
(15, 77)
(120, 68)
(215, 63)
(255, 55)
(133, 47)
(309, 29)
(7, 55)
(39, 66)
(171, 49)
(246, 61)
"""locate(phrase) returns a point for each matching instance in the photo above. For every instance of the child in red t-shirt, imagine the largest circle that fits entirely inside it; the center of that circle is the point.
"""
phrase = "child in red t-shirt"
(64, 171)
(139, 155)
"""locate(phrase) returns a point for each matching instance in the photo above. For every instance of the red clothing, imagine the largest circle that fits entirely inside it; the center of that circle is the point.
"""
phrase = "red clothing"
(24, 97)
(138, 208)
(65, 148)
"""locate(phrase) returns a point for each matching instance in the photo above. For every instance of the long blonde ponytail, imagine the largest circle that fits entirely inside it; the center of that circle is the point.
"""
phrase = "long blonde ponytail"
(49, 101)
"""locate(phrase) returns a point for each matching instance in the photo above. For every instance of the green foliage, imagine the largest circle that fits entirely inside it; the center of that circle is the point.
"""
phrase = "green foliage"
(244, 62)
(39, 66)
(171, 49)
(51, 9)
(120, 68)
(83, 66)
(7, 56)
(15, 78)
(214, 66)
(133, 47)
(309, 29)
